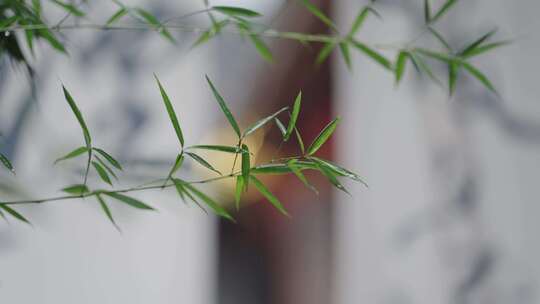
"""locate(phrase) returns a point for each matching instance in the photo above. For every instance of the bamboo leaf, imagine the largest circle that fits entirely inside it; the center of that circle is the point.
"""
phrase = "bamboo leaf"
(217, 208)
(344, 48)
(227, 149)
(72, 154)
(107, 211)
(323, 136)
(72, 9)
(268, 195)
(484, 48)
(106, 167)
(78, 189)
(262, 48)
(271, 169)
(480, 76)
(440, 38)
(109, 158)
(300, 141)
(443, 10)
(338, 169)
(281, 127)
(400, 65)
(224, 108)
(330, 175)
(171, 112)
(325, 52)
(129, 200)
(79, 117)
(358, 21)
(5, 161)
(296, 170)
(153, 21)
(372, 54)
(452, 76)
(471, 47)
(422, 66)
(116, 16)
(240, 187)
(427, 11)
(246, 163)
(294, 116)
(319, 14)
(436, 55)
(102, 173)
(203, 162)
(179, 184)
(254, 127)
(213, 31)
(51, 39)
(14, 213)
(236, 11)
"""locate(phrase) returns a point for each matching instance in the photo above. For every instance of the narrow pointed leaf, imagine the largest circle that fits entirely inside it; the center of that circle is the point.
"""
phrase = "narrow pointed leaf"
(246, 162)
(372, 54)
(440, 38)
(479, 75)
(102, 173)
(107, 211)
(338, 169)
(254, 127)
(452, 77)
(129, 200)
(106, 167)
(5, 161)
(79, 189)
(300, 141)
(296, 170)
(443, 10)
(400, 65)
(116, 16)
(319, 14)
(344, 48)
(294, 116)
(332, 179)
(358, 21)
(203, 162)
(446, 58)
(179, 184)
(240, 187)
(72, 9)
(171, 112)
(51, 39)
(427, 11)
(262, 48)
(109, 158)
(14, 213)
(152, 20)
(224, 108)
(281, 127)
(72, 154)
(227, 149)
(217, 208)
(268, 195)
(213, 31)
(236, 11)
(79, 117)
(323, 136)
(324, 53)
(476, 43)
(484, 48)
(423, 67)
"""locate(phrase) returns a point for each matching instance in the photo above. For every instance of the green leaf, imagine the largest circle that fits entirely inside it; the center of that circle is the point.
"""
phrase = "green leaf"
(446, 58)
(344, 48)
(358, 21)
(325, 52)
(179, 184)
(484, 48)
(51, 39)
(152, 20)
(440, 38)
(213, 31)
(400, 65)
(107, 168)
(338, 169)
(227, 149)
(319, 14)
(268, 195)
(78, 189)
(72, 154)
(330, 175)
(102, 173)
(420, 65)
(480, 76)
(246, 162)
(177, 164)
(294, 116)
(254, 127)
(5, 161)
(443, 10)
(79, 117)
(109, 158)
(471, 47)
(296, 170)
(14, 213)
(427, 11)
(116, 16)
(271, 169)
(452, 76)
(217, 208)
(281, 127)
(107, 211)
(7, 22)
(300, 141)
(224, 108)
(262, 48)
(236, 11)
(203, 162)
(129, 200)
(323, 136)
(372, 54)
(69, 8)
(240, 187)
(170, 111)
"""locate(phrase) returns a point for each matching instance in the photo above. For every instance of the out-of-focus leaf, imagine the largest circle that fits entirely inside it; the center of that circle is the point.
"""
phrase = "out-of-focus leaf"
(171, 112)
(14, 213)
(479, 75)
(323, 136)
(254, 127)
(400, 65)
(358, 21)
(7, 22)
(79, 117)
(246, 162)
(484, 48)
(129, 200)
(443, 10)
(300, 141)
(330, 175)
(452, 76)
(268, 195)
(217, 208)
(319, 14)
(109, 158)
(372, 54)
(325, 52)
(236, 11)
(224, 108)
(208, 34)
(203, 162)
(227, 149)
(5, 161)
(440, 38)
(72, 9)
(240, 187)
(469, 48)
(106, 167)
(427, 11)
(294, 116)
(262, 48)
(271, 169)
(436, 55)
(72, 154)
(179, 184)
(296, 170)
(281, 127)
(420, 65)
(152, 20)
(344, 48)
(102, 173)
(107, 211)
(51, 39)
(78, 189)
(116, 16)
(338, 169)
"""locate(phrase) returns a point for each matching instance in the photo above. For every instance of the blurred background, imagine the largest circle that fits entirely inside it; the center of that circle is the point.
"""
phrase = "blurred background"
(450, 216)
